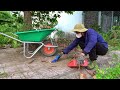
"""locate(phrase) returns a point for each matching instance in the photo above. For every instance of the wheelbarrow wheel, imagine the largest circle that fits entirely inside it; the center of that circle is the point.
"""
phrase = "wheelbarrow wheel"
(48, 51)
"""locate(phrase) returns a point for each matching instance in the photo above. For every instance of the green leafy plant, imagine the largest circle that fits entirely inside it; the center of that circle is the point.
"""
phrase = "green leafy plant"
(113, 38)
(6, 16)
(4, 74)
(116, 28)
(60, 34)
(109, 73)
(96, 27)
(9, 28)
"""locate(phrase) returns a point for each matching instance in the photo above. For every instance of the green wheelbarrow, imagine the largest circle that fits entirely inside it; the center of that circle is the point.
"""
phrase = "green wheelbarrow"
(48, 48)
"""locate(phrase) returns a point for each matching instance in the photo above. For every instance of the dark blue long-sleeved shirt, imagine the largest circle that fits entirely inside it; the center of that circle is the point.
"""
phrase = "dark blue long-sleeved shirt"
(91, 38)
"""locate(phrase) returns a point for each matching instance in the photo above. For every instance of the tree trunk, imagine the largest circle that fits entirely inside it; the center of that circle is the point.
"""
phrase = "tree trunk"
(28, 26)
(91, 18)
(27, 20)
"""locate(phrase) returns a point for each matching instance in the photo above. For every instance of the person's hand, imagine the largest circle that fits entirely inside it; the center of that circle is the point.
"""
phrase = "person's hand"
(82, 54)
(61, 53)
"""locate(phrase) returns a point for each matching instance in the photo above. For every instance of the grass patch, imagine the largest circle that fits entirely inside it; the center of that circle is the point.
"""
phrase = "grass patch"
(4, 74)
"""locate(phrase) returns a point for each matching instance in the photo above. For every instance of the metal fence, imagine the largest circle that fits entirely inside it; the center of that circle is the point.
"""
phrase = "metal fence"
(105, 19)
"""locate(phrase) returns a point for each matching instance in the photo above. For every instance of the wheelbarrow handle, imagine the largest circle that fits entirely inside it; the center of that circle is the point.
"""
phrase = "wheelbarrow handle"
(10, 37)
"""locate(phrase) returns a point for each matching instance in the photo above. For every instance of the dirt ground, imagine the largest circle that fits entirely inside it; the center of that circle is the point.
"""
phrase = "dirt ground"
(16, 66)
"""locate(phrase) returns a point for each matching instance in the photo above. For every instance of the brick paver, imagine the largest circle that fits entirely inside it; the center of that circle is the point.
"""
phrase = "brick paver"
(18, 67)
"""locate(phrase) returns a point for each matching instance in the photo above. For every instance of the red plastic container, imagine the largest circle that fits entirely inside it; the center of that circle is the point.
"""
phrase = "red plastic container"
(85, 63)
(74, 64)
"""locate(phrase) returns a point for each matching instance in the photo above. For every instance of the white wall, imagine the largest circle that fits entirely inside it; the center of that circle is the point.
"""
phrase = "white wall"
(67, 22)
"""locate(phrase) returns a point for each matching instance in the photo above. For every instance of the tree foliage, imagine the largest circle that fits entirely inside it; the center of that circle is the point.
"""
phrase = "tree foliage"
(6, 16)
(18, 16)
(43, 19)
(9, 24)
(46, 18)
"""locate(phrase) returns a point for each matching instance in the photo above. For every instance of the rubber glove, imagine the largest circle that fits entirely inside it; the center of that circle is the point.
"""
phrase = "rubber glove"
(57, 58)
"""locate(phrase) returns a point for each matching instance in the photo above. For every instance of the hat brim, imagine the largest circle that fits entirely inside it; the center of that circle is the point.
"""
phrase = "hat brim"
(80, 30)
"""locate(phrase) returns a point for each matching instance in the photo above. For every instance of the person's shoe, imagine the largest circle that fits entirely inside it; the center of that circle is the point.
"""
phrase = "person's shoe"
(91, 65)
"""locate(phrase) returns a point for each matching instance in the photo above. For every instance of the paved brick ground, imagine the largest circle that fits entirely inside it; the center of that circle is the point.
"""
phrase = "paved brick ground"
(13, 65)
